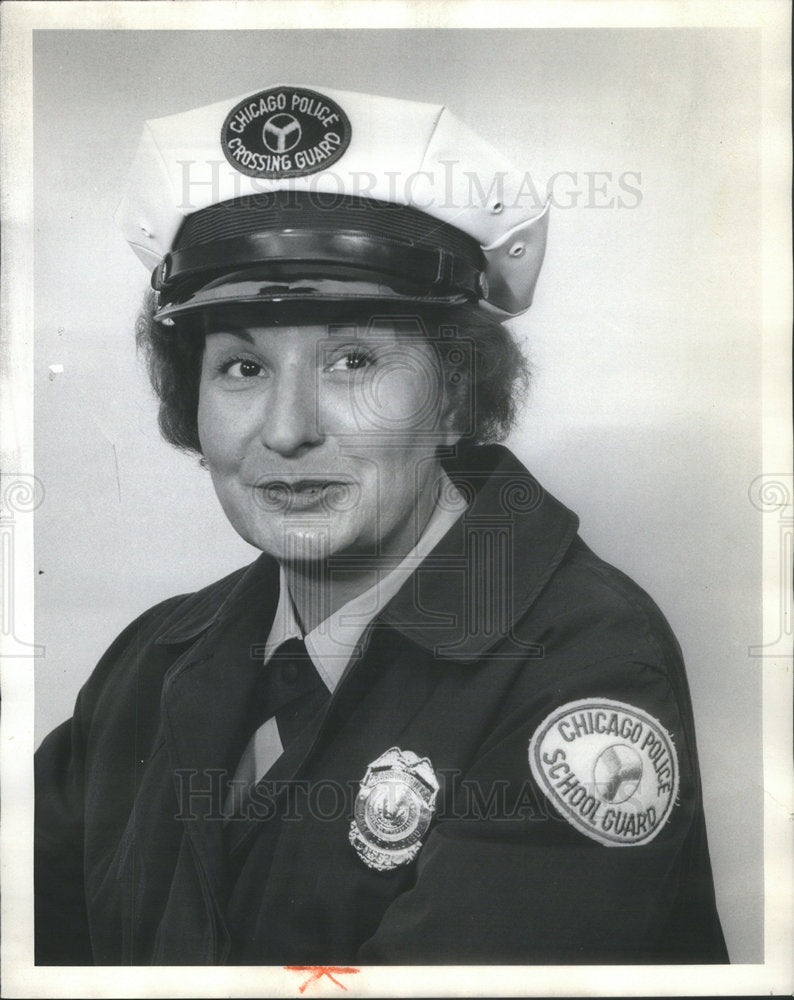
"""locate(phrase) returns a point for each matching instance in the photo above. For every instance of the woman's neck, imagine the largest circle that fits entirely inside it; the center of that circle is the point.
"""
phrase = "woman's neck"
(320, 588)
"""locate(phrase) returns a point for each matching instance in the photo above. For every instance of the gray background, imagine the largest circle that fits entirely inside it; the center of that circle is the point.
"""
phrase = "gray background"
(645, 338)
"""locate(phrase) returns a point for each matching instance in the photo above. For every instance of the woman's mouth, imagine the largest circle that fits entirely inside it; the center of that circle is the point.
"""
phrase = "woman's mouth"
(286, 497)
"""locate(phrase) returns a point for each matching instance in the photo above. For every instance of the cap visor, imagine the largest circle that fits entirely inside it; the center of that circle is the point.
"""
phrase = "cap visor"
(232, 290)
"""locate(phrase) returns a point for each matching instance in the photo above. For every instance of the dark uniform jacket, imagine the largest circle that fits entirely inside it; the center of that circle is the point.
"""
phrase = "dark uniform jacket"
(510, 628)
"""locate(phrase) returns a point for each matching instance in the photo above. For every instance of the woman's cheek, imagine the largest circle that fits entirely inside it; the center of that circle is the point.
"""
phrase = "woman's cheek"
(224, 426)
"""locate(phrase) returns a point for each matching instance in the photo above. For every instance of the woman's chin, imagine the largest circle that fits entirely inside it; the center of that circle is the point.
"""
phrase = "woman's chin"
(303, 542)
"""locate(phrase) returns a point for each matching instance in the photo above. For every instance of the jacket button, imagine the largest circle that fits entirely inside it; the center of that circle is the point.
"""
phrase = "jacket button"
(289, 672)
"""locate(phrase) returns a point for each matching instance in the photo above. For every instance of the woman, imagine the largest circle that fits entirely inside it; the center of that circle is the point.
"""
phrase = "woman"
(427, 725)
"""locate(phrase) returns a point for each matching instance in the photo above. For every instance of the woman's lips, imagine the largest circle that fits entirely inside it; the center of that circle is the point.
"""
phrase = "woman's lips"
(282, 496)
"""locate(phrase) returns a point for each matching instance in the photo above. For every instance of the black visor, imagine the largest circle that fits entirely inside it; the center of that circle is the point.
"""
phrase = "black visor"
(292, 246)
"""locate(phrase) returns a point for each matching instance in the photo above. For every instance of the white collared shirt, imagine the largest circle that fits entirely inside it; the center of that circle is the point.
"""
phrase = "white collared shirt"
(333, 643)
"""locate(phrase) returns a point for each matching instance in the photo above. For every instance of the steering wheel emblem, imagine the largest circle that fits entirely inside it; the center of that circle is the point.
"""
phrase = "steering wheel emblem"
(281, 133)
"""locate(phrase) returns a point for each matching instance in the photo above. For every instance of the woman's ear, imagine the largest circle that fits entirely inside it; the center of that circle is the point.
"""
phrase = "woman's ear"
(450, 424)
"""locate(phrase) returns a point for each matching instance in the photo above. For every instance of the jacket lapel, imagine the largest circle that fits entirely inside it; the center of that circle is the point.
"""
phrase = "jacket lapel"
(374, 703)
(208, 704)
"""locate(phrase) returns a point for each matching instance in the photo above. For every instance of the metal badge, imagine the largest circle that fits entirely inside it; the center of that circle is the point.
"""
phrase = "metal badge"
(393, 809)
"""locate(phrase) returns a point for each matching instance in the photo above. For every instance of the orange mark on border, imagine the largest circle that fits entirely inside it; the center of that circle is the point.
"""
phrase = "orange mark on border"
(318, 971)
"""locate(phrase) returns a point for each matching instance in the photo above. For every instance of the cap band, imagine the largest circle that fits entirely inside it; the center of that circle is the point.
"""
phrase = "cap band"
(287, 235)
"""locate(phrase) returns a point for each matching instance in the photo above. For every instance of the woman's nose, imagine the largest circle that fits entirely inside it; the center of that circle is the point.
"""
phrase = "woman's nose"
(290, 420)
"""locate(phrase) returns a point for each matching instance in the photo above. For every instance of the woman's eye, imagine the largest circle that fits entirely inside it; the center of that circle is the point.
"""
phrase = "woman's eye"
(242, 368)
(351, 361)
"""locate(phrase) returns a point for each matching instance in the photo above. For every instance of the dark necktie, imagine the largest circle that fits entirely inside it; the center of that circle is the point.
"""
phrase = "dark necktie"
(290, 691)
(293, 690)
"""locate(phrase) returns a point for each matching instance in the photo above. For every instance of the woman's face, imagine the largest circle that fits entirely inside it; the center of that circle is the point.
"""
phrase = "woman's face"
(322, 440)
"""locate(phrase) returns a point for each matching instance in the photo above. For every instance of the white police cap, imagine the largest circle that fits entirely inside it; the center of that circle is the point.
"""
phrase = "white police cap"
(298, 193)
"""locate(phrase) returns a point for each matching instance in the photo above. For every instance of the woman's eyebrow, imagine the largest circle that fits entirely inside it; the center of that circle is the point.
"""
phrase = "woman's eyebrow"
(345, 331)
(241, 332)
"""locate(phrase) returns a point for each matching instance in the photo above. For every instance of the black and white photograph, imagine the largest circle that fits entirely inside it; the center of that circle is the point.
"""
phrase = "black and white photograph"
(396, 499)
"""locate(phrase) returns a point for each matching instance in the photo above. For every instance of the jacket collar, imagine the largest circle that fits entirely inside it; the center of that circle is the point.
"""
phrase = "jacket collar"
(221, 600)
(493, 564)
(473, 588)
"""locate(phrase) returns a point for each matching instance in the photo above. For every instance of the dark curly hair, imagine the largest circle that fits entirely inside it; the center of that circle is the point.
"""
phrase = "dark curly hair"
(484, 373)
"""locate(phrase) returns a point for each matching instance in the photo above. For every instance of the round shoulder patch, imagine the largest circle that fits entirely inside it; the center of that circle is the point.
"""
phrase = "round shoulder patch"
(285, 132)
(609, 768)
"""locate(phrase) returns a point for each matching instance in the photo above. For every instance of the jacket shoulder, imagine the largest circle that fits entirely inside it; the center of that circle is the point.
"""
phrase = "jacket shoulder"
(592, 604)
(195, 608)
(143, 646)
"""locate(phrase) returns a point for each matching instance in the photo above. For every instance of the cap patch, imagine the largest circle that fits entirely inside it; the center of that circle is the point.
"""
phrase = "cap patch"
(285, 132)
(609, 768)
